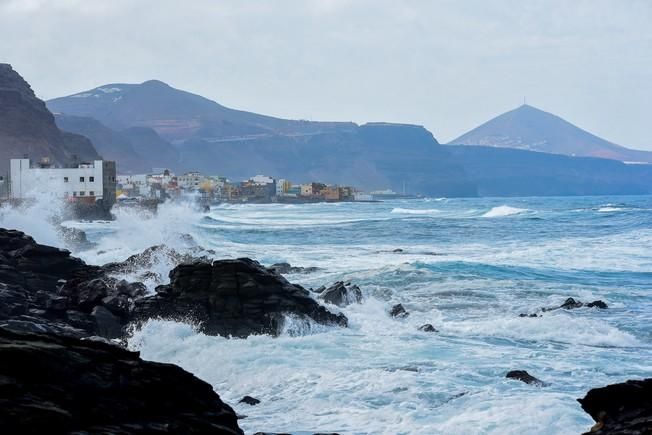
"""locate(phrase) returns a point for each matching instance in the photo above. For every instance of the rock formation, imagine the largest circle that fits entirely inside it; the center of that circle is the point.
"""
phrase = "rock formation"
(44, 289)
(398, 311)
(64, 385)
(232, 298)
(620, 408)
(342, 294)
(523, 376)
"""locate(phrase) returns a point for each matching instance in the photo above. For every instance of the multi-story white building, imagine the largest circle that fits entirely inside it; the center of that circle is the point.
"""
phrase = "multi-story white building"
(87, 182)
(191, 180)
(261, 180)
(282, 187)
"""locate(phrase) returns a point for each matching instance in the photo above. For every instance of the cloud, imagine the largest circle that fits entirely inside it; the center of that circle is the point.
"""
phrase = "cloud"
(448, 65)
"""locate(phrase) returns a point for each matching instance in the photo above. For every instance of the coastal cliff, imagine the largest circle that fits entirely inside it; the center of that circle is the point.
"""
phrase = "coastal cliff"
(28, 127)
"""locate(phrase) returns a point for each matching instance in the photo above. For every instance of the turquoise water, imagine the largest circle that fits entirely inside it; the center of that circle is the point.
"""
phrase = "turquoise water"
(468, 266)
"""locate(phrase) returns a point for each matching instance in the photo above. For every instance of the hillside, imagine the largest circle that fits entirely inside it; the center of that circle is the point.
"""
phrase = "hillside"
(177, 115)
(373, 156)
(28, 128)
(529, 128)
(136, 149)
(512, 172)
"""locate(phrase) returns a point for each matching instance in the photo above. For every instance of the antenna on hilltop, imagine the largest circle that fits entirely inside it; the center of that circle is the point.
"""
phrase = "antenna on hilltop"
(525, 101)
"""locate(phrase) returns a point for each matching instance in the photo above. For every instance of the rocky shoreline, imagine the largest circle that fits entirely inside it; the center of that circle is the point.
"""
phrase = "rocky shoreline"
(63, 325)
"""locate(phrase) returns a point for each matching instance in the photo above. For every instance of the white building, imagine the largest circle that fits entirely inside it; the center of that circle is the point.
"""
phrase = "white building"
(87, 182)
(190, 180)
(261, 180)
(282, 187)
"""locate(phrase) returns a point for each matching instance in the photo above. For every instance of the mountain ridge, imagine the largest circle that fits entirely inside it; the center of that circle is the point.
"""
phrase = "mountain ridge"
(176, 115)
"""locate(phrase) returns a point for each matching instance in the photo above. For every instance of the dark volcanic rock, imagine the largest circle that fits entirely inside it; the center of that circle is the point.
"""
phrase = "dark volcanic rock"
(283, 268)
(523, 376)
(64, 385)
(597, 304)
(147, 259)
(342, 294)
(44, 289)
(427, 328)
(620, 408)
(232, 298)
(249, 400)
(398, 311)
(571, 303)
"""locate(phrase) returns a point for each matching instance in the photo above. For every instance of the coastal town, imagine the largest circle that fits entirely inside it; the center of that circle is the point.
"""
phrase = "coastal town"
(98, 183)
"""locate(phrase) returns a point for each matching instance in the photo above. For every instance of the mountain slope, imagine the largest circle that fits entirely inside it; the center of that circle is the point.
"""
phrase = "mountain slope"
(529, 128)
(176, 115)
(513, 172)
(136, 150)
(28, 128)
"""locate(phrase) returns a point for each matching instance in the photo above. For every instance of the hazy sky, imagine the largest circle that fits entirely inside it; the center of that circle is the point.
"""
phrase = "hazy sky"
(448, 65)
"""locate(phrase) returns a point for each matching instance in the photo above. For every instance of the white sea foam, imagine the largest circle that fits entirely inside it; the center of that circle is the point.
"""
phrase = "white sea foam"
(415, 211)
(504, 210)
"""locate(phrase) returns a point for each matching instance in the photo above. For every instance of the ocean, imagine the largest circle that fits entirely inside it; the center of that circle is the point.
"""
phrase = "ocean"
(467, 266)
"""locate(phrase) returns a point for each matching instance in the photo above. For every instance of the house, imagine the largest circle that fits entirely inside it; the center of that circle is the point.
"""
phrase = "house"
(87, 182)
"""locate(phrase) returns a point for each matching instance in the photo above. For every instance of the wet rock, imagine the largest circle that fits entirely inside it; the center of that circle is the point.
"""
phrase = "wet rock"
(106, 323)
(598, 304)
(141, 263)
(571, 303)
(74, 238)
(624, 408)
(523, 376)
(249, 400)
(528, 315)
(65, 385)
(44, 289)
(319, 289)
(427, 328)
(232, 298)
(284, 268)
(342, 294)
(398, 251)
(398, 311)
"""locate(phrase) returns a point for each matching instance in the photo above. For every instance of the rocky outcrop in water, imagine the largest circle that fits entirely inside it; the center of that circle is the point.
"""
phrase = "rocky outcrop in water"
(342, 294)
(398, 311)
(142, 262)
(620, 408)
(285, 268)
(427, 328)
(45, 289)
(232, 298)
(59, 385)
(252, 401)
(523, 376)
(571, 303)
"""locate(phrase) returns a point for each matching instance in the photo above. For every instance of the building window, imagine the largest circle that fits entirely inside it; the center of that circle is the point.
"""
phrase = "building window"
(91, 179)
(74, 194)
(82, 193)
(91, 193)
(65, 179)
(81, 179)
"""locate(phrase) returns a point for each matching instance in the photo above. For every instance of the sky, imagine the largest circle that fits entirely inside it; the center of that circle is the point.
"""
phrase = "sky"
(447, 65)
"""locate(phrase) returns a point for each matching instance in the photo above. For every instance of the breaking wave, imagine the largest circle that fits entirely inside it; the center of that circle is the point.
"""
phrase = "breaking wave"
(504, 210)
